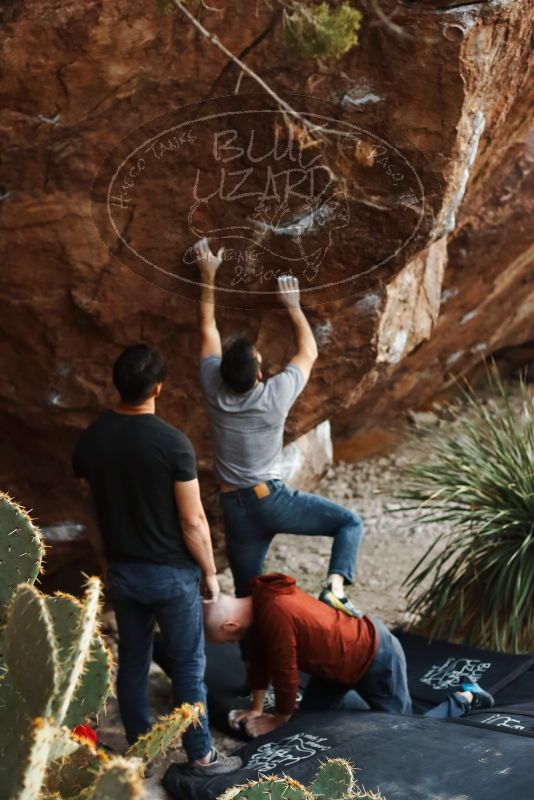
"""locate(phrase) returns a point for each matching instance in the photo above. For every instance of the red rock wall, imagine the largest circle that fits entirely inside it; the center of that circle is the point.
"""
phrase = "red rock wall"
(77, 77)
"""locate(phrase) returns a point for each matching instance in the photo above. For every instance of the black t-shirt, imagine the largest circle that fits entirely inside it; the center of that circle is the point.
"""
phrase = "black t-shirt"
(131, 462)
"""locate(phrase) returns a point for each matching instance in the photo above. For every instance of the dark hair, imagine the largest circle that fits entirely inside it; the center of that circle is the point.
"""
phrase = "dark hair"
(239, 365)
(136, 371)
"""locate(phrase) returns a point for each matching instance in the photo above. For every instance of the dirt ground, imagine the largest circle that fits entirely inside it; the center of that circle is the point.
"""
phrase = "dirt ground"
(392, 545)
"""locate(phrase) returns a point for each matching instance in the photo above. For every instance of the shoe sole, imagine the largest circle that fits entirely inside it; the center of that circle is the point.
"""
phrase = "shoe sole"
(207, 773)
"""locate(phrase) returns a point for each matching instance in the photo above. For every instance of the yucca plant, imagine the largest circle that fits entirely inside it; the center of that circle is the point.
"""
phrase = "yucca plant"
(480, 481)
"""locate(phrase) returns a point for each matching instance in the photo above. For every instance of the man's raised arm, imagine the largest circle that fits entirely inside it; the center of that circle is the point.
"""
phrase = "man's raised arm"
(289, 295)
(208, 264)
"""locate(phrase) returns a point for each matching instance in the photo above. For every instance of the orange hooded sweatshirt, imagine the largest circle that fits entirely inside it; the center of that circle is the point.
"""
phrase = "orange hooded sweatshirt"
(293, 631)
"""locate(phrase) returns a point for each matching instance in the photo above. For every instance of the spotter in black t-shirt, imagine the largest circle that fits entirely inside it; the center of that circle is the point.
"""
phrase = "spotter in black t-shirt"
(131, 462)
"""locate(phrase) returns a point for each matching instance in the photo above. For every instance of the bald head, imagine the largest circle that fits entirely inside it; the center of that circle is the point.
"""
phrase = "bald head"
(228, 619)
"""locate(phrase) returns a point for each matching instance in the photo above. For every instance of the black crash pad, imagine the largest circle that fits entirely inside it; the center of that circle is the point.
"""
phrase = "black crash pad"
(507, 676)
(406, 758)
(513, 711)
(435, 667)
(517, 719)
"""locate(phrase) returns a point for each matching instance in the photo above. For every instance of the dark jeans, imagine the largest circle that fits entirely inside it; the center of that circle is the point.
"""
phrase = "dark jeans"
(384, 687)
(251, 523)
(143, 594)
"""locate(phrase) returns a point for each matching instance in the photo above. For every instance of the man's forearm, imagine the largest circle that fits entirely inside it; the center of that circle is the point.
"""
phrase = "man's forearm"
(206, 307)
(304, 337)
(258, 699)
(198, 542)
(258, 703)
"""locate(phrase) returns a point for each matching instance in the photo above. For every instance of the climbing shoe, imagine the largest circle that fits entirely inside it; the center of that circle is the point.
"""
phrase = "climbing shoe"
(481, 698)
(342, 604)
(219, 765)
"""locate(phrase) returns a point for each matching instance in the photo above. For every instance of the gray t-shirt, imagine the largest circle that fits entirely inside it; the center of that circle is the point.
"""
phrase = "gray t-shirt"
(248, 429)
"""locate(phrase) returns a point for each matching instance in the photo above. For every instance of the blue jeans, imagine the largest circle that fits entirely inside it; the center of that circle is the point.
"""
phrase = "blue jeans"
(384, 687)
(251, 523)
(143, 594)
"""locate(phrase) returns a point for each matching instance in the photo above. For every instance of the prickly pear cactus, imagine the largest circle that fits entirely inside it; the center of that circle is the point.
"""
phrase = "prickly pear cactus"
(94, 684)
(24, 747)
(270, 788)
(334, 779)
(64, 744)
(119, 780)
(77, 773)
(84, 630)
(30, 651)
(21, 548)
(165, 732)
(14, 738)
(31, 771)
(56, 673)
(38, 689)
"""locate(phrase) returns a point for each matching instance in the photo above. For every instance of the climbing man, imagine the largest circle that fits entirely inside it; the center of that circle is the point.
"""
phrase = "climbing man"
(289, 630)
(155, 541)
(247, 415)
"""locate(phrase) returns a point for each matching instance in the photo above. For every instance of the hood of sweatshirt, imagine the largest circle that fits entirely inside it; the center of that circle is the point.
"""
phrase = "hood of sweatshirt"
(273, 583)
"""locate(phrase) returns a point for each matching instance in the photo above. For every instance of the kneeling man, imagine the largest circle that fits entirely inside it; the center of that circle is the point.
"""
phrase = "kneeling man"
(290, 631)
